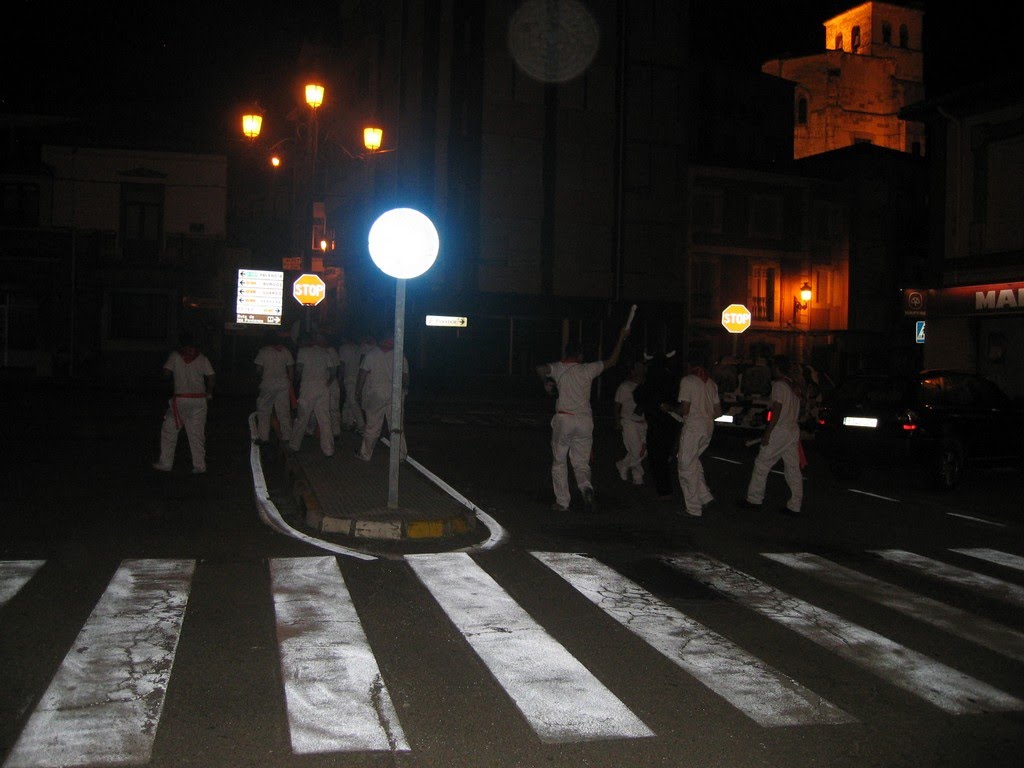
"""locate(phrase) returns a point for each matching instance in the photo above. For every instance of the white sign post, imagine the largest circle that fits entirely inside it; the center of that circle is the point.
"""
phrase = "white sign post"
(403, 244)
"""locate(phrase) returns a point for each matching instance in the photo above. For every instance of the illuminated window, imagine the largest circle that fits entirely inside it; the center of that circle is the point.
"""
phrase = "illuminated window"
(839, 41)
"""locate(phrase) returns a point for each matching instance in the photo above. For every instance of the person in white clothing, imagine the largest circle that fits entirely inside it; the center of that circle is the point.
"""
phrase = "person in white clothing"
(314, 371)
(699, 405)
(275, 365)
(572, 427)
(349, 355)
(781, 440)
(373, 393)
(193, 378)
(633, 426)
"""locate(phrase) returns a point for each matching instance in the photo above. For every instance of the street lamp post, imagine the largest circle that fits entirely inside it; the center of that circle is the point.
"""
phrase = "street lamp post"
(403, 244)
(310, 228)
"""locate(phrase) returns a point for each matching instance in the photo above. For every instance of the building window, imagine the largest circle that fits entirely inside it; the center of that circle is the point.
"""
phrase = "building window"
(839, 41)
(703, 284)
(855, 39)
(766, 216)
(707, 211)
(904, 36)
(821, 287)
(142, 216)
(139, 316)
(886, 33)
(19, 205)
(801, 111)
(763, 290)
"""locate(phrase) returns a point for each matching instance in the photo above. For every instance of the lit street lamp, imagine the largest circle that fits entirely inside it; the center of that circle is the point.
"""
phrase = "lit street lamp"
(403, 244)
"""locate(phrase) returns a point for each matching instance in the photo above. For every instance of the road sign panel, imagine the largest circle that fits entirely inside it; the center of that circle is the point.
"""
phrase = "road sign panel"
(919, 331)
(309, 290)
(736, 318)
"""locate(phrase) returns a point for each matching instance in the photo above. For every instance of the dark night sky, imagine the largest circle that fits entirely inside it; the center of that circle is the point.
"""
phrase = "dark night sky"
(199, 60)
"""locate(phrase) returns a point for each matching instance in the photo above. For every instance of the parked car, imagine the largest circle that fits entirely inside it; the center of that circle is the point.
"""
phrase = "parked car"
(941, 421)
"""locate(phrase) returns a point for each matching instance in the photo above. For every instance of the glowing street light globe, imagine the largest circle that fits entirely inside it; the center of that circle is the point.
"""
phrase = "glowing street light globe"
(403, 243)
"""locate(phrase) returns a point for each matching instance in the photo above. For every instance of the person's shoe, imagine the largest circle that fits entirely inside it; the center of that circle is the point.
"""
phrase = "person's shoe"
(556, 507)
(749, 505)
(793, 512)
(160, 467)
(359, 455)
(687, 513)
(588, 499)
(638, 481)
(623, 472)
(198, 470)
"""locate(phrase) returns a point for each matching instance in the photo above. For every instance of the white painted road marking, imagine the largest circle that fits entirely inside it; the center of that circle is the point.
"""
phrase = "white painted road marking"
(943, 686)
(873, 495)
(14, 574)
(560, 699)
(969, 626)
(978, 582)
(994, 556)
(760, 692)
(103, 705)
(337, 701)
(976, 519)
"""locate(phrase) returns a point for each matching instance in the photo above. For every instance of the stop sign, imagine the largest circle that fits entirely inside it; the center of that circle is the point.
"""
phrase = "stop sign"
(736, 318)
(309, 290)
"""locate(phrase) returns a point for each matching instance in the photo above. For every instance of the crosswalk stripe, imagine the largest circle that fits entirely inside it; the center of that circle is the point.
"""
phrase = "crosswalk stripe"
(978, 582)
(969, 626)
(560, 699)
(103, 705)
(994, 556)
(760, 692)
(14, 574)
(943, 686)
(335, 694)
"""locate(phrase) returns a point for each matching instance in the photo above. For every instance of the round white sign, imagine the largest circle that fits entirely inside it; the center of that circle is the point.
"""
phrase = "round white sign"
(403, 243)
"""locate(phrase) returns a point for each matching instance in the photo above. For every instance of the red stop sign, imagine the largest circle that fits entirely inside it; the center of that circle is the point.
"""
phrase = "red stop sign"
(736, 318)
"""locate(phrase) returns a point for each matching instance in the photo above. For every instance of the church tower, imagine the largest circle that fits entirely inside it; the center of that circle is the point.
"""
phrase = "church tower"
(872, 66)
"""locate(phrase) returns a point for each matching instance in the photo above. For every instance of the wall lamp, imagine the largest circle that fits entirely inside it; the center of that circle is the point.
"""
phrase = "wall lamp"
(801, 304)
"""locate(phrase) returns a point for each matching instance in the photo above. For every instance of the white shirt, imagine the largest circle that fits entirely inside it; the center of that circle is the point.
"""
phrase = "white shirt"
(315, 364)
(573, 381)
(701, 395)
(349, 355)
(379, 366)
(189, 378)
(274, 361)
(624, 397)
(789, 414)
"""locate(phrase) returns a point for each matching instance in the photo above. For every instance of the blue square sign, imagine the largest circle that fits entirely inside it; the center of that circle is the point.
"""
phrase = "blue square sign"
(919, 331)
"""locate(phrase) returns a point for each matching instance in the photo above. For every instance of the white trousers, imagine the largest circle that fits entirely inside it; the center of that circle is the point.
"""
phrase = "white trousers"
(634, 439)
(351, 413)
(572, 437)
(693, 441)
(274, 399)
(376, 415)
(191, 414)
(783, 444)
(314, 404)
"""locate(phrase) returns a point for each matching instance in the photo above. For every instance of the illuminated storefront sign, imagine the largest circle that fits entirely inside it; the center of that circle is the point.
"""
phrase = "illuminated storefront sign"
(991, 299)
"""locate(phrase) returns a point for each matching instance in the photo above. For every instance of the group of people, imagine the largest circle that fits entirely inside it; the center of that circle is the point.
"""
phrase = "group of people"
(662, 414)
(347, 387)
(320, 388)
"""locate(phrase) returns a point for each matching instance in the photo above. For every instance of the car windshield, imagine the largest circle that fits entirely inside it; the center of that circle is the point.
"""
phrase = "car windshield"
(871, 390)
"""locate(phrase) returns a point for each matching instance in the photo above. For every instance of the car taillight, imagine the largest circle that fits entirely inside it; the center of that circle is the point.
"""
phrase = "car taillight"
(907, 421)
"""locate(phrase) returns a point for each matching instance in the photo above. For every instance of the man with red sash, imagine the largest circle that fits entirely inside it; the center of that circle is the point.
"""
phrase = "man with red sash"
(572, 428)
(699, 405)
(193, 386)
(781, 440)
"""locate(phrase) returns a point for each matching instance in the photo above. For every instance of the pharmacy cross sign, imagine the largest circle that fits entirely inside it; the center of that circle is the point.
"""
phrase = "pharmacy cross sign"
(309, 290)
(736, 318)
